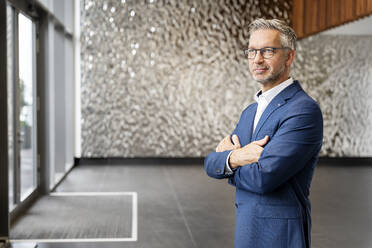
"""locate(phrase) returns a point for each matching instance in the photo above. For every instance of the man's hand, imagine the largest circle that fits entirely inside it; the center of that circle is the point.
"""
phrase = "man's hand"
(226, 144)
(248, 154)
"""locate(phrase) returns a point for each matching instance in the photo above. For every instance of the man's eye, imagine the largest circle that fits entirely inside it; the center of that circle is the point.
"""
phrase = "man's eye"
(267, 50)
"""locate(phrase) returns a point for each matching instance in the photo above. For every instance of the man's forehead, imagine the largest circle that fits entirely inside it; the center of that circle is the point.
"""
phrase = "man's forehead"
(264, 37)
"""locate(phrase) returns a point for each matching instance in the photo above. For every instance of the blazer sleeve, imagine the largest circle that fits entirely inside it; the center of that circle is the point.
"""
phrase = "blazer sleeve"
(214, 164)
(297, 140)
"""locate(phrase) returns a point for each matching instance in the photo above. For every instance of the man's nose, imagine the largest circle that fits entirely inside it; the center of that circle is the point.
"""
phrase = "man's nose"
(258, 59)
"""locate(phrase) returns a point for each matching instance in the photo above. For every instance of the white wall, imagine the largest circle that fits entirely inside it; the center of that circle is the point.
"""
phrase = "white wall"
(359, 27)
(60, 94)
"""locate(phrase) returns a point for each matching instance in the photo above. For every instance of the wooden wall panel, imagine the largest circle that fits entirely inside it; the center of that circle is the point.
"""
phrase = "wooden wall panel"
(333, 14)
(343, 9)
(297, 17)
(369, 6)
(361, 7)
(322, 14)
(349, 8)
(308, 13)
(313, 16)
(314, 20)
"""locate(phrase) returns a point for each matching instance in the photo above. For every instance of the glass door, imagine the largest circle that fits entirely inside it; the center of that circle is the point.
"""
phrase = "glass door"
(10, 90)
(22, 106)
(26, 106)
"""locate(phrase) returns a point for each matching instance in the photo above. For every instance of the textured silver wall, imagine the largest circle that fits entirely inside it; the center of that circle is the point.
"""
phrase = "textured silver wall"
(164, 78)
(168, 78)
(337, 72)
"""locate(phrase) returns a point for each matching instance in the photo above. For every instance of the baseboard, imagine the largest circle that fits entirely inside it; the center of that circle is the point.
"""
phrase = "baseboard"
(337, 161)
(345, 161)
(140, 161)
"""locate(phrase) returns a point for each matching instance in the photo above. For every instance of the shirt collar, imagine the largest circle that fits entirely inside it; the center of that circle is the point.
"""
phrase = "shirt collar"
(273, 92)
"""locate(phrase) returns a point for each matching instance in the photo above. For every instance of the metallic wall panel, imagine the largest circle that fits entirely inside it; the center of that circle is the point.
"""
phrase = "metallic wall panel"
(164, 78)
(337, 72)
(168, 78)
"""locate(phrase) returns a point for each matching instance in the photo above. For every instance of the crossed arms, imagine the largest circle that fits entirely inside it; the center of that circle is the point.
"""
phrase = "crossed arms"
(241, 156)
(263, 165)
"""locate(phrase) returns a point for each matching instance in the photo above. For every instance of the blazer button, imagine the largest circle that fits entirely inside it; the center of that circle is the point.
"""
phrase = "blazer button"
(218, 171)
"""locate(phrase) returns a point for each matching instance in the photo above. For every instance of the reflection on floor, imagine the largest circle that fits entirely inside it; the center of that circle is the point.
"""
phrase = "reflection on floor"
(179, 206)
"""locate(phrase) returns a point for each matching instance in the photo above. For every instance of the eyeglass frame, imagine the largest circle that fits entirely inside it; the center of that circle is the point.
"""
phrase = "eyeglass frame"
(261, 51)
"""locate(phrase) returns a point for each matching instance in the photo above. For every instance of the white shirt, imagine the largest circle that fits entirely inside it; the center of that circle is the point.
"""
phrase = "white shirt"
(263, 100)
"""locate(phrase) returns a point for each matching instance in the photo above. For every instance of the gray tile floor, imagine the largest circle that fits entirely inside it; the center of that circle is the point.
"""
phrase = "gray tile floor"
(179, 206)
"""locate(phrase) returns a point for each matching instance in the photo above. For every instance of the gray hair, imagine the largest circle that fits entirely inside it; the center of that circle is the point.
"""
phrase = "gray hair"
(288, 36)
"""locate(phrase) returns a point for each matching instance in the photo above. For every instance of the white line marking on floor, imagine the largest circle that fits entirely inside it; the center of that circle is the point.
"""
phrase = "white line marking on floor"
(91, 193)
(135, 216)
(70, 240)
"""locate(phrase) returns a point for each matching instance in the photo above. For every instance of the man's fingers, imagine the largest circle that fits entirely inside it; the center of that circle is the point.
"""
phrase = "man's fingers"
(225, 144)
(236, 141)
(262, 142)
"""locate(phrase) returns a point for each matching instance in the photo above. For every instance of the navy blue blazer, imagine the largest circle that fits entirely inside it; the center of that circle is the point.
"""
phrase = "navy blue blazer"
(272, 205)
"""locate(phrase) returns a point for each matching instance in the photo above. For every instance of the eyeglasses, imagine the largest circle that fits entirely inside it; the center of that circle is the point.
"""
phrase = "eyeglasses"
(266, 52)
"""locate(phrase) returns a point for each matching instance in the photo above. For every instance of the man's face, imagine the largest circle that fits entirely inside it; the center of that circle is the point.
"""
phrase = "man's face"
(267, 70)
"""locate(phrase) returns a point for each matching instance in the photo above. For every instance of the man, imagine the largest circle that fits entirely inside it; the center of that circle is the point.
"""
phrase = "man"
(271, 155)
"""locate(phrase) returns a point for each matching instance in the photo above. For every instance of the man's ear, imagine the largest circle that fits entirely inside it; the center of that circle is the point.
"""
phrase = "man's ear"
(290, 57)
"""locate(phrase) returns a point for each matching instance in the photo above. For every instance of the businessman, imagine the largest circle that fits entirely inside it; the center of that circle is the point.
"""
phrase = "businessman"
(270, 156)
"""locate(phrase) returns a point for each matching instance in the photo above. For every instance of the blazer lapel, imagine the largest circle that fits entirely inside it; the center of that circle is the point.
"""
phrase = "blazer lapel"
(246, 131)
(276, 103)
